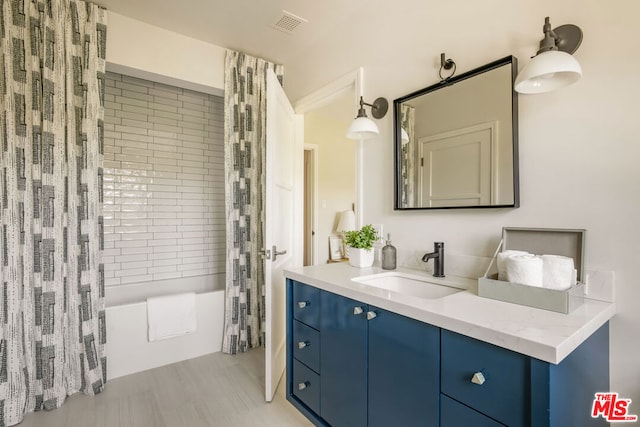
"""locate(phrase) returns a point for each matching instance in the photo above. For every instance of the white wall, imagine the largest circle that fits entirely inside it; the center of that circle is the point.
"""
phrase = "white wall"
(579, 147)
(145, 51)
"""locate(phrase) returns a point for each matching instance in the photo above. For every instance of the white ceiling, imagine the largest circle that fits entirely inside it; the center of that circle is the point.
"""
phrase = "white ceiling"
(394, 41)
(243, 25)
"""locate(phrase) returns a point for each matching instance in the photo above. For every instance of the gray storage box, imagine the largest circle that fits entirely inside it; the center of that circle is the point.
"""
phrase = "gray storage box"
(539, 241)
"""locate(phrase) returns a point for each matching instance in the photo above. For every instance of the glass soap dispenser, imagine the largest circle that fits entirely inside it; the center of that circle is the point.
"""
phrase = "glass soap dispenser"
(389, 255)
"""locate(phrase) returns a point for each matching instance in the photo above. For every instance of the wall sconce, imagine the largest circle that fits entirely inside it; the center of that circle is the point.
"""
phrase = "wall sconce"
(553, 66)
(363, 127)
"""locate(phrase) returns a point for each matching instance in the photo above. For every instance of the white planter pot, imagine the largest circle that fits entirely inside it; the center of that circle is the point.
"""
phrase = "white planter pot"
(360, 257)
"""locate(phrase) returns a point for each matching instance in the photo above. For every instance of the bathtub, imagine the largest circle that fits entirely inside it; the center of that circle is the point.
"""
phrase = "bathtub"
(128, 349)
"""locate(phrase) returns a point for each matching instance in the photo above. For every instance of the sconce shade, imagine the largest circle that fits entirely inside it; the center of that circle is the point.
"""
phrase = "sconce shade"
(553, 67)
(347, 222)
(404, 136)
(362, 128)
(548, 71)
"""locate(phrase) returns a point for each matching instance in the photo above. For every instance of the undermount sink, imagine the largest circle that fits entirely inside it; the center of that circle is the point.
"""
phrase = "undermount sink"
(407, 284)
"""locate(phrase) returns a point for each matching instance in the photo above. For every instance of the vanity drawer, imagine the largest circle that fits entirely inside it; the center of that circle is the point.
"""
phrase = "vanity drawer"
(455, 414)
(306, 304)
(503, 395)
(306, 345)
(306, 386)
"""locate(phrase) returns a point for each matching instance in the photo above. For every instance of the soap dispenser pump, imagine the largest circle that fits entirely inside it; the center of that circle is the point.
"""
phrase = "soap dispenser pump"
(389, 255)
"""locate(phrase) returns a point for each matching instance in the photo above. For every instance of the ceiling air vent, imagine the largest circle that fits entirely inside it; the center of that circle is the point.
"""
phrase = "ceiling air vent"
(288, 22)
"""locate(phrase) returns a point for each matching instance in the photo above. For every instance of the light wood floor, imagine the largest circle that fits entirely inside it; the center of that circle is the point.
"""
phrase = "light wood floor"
(213, 390)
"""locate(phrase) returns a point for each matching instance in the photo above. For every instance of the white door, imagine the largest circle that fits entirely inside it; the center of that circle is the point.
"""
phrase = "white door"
(283, 221)
(456, 167)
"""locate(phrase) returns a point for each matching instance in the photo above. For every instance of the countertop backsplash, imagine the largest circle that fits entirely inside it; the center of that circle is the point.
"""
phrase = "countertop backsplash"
(467, 266)
(600, 283)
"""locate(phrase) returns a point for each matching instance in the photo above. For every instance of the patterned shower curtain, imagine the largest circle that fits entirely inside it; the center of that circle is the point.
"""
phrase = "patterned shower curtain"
(52, 323)
(245, 142)
(409, 155)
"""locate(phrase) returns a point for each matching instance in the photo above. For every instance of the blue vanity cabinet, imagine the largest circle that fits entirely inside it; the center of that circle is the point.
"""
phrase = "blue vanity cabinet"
(404, 370)
(517, 390)
(352, 364)
(378, 368)
(343, 360)
(455, 414)
(500, 390)
(303, 347)
(305, 304)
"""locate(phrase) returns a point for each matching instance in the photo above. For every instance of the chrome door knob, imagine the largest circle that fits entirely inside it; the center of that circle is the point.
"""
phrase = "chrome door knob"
(357, 311)
(371, 315)
(302, 386)
(303, 344)
(478, 378)
(303, 304)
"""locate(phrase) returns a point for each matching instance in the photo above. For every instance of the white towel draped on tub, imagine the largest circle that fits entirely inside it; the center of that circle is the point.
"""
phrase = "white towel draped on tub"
(171, 315)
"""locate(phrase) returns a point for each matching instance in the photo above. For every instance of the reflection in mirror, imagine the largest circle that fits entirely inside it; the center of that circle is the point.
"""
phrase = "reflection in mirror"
(457, 141)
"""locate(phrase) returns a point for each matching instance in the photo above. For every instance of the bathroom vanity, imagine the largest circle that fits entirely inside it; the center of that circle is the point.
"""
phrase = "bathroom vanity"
(366, 347)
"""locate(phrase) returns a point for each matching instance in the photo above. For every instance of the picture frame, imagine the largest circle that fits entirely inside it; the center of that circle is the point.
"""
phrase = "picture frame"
(335, 248)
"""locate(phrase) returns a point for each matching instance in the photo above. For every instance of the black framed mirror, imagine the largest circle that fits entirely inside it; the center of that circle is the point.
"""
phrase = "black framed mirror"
(456, 142)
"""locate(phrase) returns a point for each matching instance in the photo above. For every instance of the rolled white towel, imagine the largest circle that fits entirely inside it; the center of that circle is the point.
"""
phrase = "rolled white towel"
(501, 260)
(525, 269)
(558, 272)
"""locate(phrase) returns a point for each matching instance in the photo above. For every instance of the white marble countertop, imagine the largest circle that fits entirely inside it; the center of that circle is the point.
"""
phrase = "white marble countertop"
(542, 334)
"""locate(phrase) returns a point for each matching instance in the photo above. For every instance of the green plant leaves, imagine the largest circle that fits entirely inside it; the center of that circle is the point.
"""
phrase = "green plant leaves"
(361, 239)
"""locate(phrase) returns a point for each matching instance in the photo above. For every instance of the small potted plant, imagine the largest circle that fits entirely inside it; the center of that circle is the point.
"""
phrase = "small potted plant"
(360, 243)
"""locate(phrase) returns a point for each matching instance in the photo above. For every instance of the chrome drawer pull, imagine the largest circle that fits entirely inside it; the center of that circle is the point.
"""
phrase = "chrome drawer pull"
(478, 378)
(303, 344)
(357, 311)
(303, 304)
(371, 315)
(302, 386)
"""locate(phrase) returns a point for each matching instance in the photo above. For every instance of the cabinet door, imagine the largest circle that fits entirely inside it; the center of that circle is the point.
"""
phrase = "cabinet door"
(306, 304)
(503, 392)
(343, 364)
(455, 414)
(404, 370)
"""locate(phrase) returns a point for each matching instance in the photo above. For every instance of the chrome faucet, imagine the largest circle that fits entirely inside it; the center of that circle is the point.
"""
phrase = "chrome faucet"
(438, 259)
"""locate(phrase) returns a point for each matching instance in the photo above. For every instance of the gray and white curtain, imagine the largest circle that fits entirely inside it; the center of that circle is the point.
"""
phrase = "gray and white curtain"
(52, 323)
(245, 143)
(409, 170)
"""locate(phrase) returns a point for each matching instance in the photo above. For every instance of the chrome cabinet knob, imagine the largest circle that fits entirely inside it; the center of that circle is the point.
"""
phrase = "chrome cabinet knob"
(357, 311)
(371, 315)
(303, 344)
(303, 304)
(478, 378)
(302, 386)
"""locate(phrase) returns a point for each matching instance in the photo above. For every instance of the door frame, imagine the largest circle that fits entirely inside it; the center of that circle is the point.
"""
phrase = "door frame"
(323, 96)
(314, 154)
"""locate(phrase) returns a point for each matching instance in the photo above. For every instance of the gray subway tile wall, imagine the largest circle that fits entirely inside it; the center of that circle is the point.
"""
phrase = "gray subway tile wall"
(163, 182)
